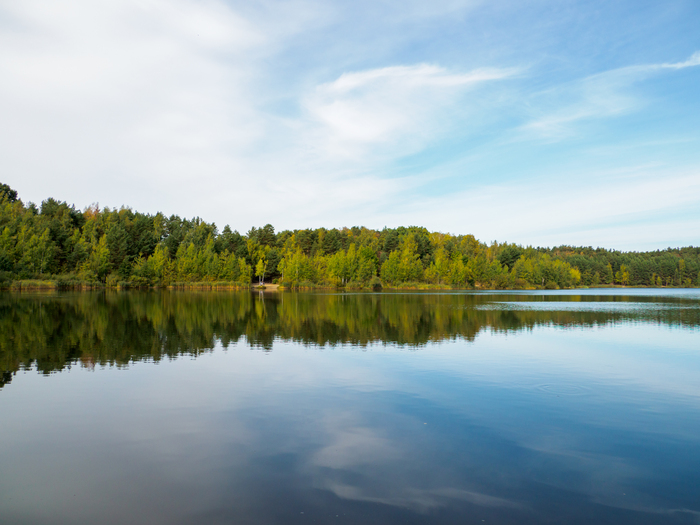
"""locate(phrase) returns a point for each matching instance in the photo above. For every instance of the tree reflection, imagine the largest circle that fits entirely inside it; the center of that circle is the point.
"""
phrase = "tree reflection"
(51, 332)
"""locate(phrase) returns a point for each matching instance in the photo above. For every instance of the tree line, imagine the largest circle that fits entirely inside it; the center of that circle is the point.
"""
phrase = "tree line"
(56, 242)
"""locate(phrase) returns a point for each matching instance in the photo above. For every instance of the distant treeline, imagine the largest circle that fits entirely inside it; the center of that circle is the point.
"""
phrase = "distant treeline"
(55, 242)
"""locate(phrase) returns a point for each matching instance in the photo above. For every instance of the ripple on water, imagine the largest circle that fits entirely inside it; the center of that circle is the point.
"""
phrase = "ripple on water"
(560, 389)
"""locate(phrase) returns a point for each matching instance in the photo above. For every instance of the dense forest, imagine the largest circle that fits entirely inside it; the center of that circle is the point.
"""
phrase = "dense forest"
(56, 243)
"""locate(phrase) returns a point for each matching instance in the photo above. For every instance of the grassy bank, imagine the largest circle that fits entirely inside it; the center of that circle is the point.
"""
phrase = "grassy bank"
(72, 282)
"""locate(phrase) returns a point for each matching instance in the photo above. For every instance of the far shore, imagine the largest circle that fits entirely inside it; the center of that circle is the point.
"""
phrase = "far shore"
(35, 285)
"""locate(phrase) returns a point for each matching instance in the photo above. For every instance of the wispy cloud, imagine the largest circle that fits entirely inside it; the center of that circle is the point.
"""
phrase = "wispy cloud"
(602, 95)
(391, 104)
(693, 61)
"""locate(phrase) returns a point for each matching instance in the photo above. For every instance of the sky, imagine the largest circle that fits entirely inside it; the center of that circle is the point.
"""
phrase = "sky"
(537, 122)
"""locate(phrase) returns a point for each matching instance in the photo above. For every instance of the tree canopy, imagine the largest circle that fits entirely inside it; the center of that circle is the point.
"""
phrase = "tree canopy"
(113, 246)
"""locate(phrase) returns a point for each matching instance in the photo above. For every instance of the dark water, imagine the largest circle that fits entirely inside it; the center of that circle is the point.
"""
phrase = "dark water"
(199, 408)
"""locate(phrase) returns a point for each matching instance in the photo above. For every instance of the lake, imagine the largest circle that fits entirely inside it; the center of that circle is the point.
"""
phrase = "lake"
(249, 408)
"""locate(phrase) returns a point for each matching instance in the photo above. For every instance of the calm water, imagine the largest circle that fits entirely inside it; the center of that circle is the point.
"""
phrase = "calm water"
(199, 408)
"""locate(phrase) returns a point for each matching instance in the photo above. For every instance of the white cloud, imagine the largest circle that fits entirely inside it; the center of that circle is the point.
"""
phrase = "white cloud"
(693, 61)
(106, 99)
(391, 104)
(624, 208)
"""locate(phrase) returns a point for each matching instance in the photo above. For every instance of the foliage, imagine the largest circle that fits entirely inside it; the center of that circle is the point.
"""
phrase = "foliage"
(115, 247)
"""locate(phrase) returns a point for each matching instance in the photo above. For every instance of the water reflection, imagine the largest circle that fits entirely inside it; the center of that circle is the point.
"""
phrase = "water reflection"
(514, 408)
(54, 331)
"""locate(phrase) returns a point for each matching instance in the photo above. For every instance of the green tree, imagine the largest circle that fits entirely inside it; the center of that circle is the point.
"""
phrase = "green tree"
(37, 252)
(98, 265)
(162, 265)
(390, 271)
(7, 194)
(608, 276)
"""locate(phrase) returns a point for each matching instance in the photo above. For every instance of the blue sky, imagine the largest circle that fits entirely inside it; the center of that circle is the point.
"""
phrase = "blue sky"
(535, 122)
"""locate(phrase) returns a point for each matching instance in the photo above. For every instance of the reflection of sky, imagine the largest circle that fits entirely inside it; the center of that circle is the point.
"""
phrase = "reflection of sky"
(592, 293)
(563, 424)
(584, 306)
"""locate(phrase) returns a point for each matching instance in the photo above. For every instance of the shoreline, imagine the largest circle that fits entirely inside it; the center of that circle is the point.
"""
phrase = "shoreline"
(34, 285)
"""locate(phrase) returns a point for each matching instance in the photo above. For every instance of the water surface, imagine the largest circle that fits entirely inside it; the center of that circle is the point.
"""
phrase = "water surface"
(511, 407)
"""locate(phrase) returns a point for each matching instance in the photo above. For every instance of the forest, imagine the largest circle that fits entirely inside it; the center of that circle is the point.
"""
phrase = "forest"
(55, 244)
